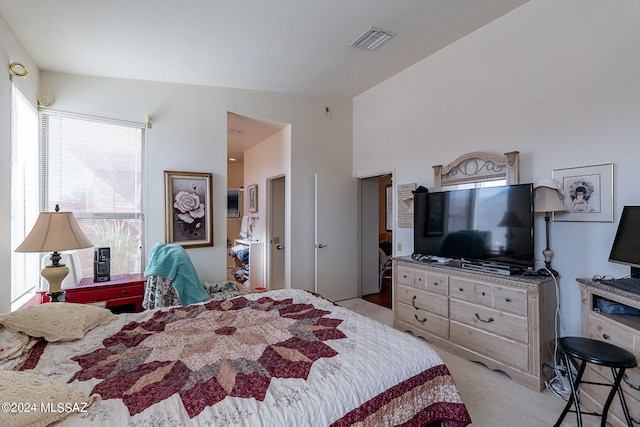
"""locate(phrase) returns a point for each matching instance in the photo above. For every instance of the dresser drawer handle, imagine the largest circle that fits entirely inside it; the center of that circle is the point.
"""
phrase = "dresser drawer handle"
(489, 320)
(625, 378)
(507, 299)
(606, 336)
(413, 302)
(421, 321)
(435, 283)
(124, 292)
(461, 289)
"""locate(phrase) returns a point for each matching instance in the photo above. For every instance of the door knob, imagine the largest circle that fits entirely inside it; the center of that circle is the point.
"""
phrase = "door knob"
(279, 247)
(320, 246)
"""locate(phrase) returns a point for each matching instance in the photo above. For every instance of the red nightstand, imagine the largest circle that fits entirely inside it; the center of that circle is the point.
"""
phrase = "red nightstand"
(122, 294)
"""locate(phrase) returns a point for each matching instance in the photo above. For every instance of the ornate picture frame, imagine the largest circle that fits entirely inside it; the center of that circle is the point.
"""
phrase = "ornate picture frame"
(588, 193)
(188, 208)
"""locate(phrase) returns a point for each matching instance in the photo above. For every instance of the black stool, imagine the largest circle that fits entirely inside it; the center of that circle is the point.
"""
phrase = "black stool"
(599, 353)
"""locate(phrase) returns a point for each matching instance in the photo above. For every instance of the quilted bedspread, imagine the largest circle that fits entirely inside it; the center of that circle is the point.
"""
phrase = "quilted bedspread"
(280, 358)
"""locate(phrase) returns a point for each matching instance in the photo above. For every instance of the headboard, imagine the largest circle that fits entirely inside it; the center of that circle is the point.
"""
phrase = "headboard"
(476, 167)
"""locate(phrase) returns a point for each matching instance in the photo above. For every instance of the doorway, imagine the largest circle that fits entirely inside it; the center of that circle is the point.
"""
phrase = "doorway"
(376, 231)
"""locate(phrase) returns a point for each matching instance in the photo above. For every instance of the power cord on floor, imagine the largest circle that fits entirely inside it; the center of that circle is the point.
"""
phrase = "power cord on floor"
(558, 384)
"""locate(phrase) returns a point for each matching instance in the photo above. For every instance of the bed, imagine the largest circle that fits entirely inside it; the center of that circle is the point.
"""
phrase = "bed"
(278, 358)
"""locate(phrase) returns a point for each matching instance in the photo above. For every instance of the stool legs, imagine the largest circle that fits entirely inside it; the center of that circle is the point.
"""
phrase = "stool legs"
(618, 374)
(574, 383)
(623, 403)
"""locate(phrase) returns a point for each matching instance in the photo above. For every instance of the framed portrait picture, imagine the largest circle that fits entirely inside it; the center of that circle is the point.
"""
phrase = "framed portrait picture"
(252, 198)
(588, 193)
(188, 210)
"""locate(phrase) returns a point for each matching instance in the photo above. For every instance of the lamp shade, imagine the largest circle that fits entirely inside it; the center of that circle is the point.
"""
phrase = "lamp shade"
(55, 231)
(548, 196)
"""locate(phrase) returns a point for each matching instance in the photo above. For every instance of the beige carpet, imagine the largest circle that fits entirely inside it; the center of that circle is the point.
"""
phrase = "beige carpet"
(491, 397)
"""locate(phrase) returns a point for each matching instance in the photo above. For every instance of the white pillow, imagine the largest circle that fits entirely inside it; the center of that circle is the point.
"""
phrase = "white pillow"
(32, 399)
(57, 321)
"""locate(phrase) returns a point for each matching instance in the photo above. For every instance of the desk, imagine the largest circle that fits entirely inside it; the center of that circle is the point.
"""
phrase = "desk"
(123, 293)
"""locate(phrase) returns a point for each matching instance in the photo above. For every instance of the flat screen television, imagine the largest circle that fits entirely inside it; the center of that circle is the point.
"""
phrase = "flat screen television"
(626, 244)
(493, 224)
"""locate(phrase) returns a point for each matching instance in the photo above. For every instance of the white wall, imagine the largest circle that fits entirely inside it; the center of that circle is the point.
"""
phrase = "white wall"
(189, 134)
(557, 81)
(10, 51)
(268, 159)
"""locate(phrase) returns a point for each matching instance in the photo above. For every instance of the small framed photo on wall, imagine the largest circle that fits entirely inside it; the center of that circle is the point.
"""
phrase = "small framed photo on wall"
(252, 198)
(588, 193)
(188, 209)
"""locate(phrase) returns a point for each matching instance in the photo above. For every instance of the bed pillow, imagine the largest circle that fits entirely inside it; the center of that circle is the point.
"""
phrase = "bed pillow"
(57, 321)
(32, 399)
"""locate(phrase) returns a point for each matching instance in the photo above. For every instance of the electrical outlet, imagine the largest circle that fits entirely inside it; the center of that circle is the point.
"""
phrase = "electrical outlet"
(399, 246)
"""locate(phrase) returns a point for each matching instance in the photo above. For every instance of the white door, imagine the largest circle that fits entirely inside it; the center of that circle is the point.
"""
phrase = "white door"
(336, 237)
(369, 235)
(276, 233)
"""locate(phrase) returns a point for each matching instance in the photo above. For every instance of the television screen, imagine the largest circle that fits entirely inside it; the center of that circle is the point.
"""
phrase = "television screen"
(482, 224)
(626, 244)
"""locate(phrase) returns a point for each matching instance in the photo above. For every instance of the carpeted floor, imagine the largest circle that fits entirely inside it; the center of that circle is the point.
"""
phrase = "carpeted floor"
(491, 397)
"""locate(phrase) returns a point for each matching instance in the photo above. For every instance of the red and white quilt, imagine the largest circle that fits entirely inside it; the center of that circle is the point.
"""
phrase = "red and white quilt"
(280, 358)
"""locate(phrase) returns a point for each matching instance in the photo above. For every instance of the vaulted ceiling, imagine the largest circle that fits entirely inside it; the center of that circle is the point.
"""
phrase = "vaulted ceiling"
(295, 46)
(292, 46)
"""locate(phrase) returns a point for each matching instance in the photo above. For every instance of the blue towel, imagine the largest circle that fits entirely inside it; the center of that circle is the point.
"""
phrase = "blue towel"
(172, 261)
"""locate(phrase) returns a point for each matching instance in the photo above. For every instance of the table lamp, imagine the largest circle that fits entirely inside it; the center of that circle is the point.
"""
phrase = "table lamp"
(548, 198)
(54, 232)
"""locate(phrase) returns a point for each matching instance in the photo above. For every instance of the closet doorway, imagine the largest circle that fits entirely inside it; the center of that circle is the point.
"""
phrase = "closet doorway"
(376, 242)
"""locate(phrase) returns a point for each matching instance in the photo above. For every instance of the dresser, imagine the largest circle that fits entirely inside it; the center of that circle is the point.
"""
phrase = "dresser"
(623, 330)
(504, 322)
(123, 293)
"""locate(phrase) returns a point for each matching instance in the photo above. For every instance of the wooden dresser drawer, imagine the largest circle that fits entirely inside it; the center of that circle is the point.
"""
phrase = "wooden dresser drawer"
(438, 283)
(599, 328)
(470, 291)
(423, 319)
(406, 276)
(416, 298)
(125, 291)
(490, 320)
(499, 348)
(511, 299)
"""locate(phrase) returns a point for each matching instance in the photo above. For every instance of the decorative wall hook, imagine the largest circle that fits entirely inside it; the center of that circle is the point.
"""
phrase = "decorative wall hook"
(148, 121)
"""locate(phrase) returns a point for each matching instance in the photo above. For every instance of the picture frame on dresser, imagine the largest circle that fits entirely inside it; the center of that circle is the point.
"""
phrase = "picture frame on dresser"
(588, 193)
(188, 208)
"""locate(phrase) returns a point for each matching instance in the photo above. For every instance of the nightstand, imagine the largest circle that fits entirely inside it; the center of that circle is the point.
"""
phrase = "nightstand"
(122, 294)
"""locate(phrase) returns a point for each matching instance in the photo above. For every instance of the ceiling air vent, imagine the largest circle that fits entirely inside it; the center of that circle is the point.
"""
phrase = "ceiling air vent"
(372, 39)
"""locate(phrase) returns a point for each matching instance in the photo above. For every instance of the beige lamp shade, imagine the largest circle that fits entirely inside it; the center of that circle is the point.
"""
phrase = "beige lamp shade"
(54, 232)
(548, 196)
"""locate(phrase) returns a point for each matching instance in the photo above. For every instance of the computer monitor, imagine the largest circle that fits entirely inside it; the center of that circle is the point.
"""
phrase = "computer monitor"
(626, 245)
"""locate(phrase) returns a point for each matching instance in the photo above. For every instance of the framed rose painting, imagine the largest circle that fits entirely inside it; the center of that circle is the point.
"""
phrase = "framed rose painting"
(188, 211)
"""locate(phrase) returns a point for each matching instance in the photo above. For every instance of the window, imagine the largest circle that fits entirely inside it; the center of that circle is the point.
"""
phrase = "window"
(93, 168)
(25, 267)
